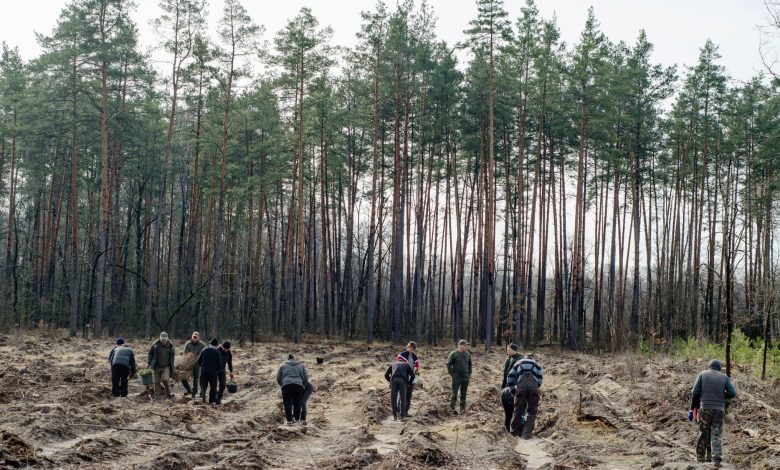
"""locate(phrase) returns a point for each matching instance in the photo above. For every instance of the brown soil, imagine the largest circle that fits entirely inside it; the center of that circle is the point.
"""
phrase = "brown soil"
(600, 412)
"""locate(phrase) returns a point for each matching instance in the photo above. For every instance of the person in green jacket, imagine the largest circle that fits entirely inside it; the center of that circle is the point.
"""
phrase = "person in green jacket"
(160, 360)
(512, 356)
(459, 367)
(193, 347)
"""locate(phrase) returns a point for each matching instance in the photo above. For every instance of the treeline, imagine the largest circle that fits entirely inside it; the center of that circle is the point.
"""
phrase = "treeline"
(542, 193)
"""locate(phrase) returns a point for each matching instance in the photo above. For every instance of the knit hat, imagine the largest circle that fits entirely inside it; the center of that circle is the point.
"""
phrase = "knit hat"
(195, 334)
(214, 341)
(226, 345)
(512, 346)
(163, 335)
(120, 341)
(715, 364)
(462, 342)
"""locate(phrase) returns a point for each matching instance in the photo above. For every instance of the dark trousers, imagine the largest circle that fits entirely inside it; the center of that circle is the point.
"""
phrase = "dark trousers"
(292, 395)
(119, 375)
(222, 379)
(526, 403)
(462, 384)
(508, 402)
(409, 390)
(399, 390)
(305, 399)
(208, 379)
(195, 381)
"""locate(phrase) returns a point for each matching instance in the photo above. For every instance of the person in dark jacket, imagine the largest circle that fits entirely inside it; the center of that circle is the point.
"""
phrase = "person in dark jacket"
(410, 357)
(210, 362)
(525, 378)
(459, 368)
(122, 360)
(293, 378)
(160, 360)
(307, 392)
(507, 397)
(194, 347)
(227, 361)
(400, 375)
(507, 394)
(708, 400)
(512, 356)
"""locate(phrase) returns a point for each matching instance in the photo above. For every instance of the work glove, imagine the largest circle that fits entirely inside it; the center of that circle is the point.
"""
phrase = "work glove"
(691, 415)
(231, 376)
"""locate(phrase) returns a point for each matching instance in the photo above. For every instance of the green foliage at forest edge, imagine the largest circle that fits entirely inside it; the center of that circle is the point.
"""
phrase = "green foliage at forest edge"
(746, 353)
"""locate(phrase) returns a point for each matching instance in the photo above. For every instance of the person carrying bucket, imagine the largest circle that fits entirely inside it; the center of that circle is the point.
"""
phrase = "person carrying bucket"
(210, 362)
(227, 361)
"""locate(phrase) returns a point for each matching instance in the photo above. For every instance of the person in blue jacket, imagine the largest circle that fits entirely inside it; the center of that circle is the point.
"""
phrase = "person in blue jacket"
(525, 378)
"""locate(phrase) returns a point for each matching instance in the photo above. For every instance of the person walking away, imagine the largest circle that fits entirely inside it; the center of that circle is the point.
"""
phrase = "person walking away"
(400, 375)
(193, 347)
(525, 378)
(410, 357)
(512, 356)
(708, 400)
(459, 368)
(210, 362)
(160, 360)
(227, 361)
(122, 360)
(292, 377)
(307, 392)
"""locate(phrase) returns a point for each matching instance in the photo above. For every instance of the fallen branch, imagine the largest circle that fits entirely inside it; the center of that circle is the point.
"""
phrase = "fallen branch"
(227, 440)
(173, 434)
(592, 417)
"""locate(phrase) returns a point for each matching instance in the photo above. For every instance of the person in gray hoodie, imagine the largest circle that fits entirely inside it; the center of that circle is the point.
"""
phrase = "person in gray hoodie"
(122, 360)
(293, 378)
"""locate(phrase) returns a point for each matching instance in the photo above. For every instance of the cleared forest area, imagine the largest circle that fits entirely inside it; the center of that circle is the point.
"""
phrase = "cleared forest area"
(599, 412)
(267, 185)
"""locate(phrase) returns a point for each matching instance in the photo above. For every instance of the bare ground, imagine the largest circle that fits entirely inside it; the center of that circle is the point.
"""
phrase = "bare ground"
(600, 412)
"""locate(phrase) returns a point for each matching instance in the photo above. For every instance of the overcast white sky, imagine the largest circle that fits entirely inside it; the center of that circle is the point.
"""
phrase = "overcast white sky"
(677, 28)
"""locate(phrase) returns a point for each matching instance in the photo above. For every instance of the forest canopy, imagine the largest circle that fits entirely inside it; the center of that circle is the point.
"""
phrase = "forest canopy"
(509, 187)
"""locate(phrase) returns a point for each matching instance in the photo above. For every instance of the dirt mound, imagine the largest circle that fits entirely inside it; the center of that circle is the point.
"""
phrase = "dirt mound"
(425, 449)
(375, 405)
(15, 452)
(246, 459)
(361, 458)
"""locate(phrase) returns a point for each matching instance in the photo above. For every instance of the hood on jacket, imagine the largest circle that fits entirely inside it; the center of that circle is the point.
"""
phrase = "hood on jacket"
(292, 362)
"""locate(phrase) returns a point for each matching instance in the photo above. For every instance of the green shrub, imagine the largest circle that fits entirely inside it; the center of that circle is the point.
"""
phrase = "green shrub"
(745, 352)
